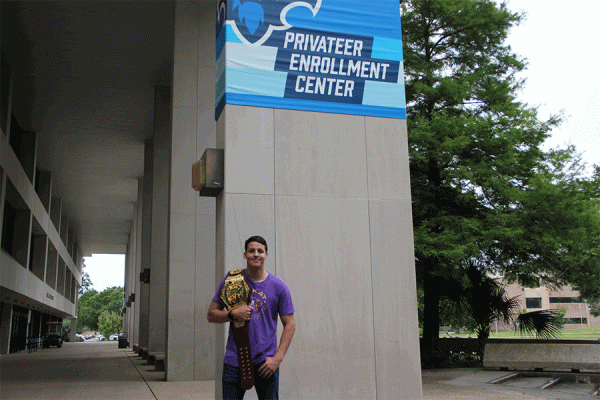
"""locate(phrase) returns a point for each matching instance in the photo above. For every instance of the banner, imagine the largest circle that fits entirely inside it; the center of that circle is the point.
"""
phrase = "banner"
(336, 56)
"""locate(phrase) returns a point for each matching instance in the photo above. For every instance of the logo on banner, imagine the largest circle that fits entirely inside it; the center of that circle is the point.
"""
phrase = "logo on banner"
(254, 21)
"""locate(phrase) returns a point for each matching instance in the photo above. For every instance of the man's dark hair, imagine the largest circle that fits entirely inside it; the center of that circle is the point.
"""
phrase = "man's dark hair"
(257, 239)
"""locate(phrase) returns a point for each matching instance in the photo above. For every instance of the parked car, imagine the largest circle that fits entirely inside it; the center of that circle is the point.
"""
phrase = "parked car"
(114, 336)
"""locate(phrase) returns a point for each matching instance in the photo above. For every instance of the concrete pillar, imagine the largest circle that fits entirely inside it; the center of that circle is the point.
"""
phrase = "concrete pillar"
(331, 195)
(160, 218)
(136, 273)
(2, 188)
(129, 290)
(132, 282)
(5, 327)
(141, 247)
(73, 332)
(190, 339)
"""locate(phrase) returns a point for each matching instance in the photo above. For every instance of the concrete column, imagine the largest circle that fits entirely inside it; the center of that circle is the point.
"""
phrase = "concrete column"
(73, 332)
(160, 218)
(136, 273)
(146, 249)
(133, 279)
(129, 290)
(331, 195)
(2, 188)
(144, 288)
(5, 327)
(190, 343)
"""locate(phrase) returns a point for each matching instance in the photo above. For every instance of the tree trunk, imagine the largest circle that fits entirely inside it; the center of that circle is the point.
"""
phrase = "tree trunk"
(431, 312)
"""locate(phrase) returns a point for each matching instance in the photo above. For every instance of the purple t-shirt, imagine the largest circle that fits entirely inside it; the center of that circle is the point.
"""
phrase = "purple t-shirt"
(271, 299)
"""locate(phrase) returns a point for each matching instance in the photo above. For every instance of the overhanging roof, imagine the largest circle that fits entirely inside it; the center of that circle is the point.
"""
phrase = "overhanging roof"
(84, 77)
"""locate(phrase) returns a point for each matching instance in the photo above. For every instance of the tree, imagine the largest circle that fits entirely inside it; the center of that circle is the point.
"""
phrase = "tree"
(553, 232)
(86, 282)
(110, 322)
(593, 305)
(480, 182)
(92, 304)
(66, 330)
(487, 301)
(544, 323)
(561, 311)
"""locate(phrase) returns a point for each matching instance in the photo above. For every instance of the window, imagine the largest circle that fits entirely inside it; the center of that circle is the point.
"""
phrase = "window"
(555, 300)
(575, 320)
(533, 302)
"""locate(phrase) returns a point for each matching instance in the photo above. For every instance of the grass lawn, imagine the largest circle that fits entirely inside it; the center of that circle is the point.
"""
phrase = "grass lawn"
(574, 334)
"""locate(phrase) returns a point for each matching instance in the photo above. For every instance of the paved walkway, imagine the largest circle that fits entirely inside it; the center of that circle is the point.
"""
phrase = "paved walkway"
(101, 371)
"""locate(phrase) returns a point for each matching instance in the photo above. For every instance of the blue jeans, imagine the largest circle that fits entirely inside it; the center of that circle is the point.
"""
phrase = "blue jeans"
(266, 389)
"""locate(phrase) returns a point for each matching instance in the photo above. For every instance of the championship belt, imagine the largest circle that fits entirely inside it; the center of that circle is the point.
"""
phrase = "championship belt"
(236, 293)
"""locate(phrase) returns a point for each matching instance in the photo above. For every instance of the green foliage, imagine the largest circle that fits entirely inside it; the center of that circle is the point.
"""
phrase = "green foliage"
(559, 316)
(487, 300)
(482, 188)
(110, 322)
(92, 304)
(553, 232)
(543, 323)
(86, 283)
(66, 330)
(594, 305)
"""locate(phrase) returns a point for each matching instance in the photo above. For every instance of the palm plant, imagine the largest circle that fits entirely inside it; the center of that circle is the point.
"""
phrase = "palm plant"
(543, 323)
(488, 302)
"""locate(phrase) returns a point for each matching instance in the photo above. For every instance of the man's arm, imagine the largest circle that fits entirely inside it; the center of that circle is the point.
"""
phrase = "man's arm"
(272, 363)
(217, 314)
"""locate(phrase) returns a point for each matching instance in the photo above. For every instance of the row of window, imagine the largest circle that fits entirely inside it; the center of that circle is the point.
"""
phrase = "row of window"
(575, 320)
(536, 302)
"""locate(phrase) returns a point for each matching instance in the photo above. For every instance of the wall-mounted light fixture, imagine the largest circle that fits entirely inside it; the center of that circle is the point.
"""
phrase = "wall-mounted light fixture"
(208, 173)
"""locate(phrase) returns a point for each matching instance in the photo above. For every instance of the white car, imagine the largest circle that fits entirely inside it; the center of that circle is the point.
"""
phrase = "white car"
(114, 336)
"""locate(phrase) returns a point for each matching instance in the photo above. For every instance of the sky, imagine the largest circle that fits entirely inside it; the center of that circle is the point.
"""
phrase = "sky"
(105, 270)
(560, 42)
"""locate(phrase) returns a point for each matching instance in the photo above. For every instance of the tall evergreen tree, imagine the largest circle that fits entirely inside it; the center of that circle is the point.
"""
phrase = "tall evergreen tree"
(474, 150)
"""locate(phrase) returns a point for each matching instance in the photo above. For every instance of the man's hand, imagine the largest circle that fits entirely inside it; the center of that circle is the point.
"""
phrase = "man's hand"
(269, 367)
(242, 313)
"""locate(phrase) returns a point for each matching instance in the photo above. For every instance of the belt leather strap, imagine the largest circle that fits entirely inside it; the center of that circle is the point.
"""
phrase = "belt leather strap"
(236, 293)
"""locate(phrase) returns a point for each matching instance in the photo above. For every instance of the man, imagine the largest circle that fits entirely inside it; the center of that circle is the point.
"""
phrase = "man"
(270, 297)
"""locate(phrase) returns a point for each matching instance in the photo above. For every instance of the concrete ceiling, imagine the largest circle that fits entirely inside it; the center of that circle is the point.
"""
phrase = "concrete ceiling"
(84, 76)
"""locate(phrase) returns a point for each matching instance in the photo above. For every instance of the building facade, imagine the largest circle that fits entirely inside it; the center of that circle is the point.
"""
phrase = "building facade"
(119, 100)
(40, 259)
(577, 312)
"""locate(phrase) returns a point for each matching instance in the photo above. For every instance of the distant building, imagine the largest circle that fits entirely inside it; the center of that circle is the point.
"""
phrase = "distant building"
(543, 298)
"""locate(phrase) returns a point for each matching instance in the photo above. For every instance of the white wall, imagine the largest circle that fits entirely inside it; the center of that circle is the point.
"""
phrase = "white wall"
(331, 195)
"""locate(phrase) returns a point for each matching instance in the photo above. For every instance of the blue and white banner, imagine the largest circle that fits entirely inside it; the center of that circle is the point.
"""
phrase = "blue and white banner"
(337, 56)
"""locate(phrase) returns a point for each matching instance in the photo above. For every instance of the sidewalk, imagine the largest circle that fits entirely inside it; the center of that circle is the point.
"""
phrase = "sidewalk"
(101, 371)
